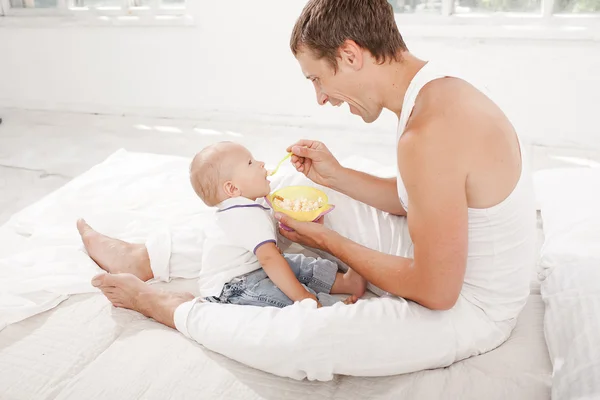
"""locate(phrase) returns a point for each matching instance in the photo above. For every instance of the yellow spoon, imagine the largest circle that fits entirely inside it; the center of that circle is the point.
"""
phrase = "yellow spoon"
(271, 173)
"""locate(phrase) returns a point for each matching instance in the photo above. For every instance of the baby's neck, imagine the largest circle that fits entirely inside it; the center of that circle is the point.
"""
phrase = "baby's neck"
(241, 196)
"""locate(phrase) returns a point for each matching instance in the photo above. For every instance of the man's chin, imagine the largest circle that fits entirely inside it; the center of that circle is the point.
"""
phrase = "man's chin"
(371, 118)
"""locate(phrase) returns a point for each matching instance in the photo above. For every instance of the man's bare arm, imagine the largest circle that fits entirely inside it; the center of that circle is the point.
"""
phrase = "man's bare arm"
(314, 160)
(438, 224)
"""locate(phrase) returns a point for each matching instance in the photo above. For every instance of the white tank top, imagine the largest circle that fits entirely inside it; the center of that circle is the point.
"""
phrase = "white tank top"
(501, 245)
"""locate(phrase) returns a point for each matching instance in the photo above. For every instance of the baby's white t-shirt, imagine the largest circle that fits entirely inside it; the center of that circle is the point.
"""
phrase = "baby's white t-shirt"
(239, 228)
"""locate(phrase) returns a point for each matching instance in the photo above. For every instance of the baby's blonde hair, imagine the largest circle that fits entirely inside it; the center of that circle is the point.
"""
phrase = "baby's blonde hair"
(208, 171)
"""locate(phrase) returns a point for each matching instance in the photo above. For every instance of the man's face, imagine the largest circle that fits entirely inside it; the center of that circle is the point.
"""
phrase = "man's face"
(348, 84)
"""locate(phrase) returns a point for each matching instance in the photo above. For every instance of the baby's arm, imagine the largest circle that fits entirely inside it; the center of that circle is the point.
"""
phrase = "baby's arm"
(281, 274)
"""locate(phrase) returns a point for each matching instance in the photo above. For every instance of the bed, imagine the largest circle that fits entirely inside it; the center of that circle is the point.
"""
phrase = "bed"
(59, 346)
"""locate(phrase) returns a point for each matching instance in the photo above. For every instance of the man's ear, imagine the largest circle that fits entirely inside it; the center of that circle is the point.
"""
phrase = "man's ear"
(231, 190)
(351, 55)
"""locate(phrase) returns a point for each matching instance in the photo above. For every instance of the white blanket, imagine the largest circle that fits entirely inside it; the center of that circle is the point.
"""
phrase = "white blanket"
(570, 264)
(43, 260)
(85, 348)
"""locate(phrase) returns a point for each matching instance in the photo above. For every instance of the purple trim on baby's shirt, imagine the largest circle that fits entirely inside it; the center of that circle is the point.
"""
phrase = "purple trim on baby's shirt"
(244, 206)
(261, 243)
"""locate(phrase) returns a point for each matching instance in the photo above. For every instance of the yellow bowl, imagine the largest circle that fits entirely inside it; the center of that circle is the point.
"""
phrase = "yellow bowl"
(298, 192)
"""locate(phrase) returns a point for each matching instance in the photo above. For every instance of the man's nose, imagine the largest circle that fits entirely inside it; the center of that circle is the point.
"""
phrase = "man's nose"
(322, 98)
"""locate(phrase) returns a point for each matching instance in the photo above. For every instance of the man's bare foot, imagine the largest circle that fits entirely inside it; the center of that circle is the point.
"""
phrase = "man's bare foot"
(113, 255)
(128, 291)
(349, 283)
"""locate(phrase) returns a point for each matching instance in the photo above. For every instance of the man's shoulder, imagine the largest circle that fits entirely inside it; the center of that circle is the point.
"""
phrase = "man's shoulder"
(443, 112)
(447, 91)
(438, 132)
(446, 100)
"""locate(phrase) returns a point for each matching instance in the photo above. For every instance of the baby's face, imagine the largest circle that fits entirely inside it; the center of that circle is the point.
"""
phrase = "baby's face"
(250, 175)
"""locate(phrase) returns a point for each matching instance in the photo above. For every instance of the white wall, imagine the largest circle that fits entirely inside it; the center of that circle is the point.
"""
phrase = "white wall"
(223, 62)
(235, 63)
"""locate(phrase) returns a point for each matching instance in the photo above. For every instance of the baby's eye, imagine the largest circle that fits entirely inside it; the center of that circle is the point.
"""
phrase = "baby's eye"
(250, 162)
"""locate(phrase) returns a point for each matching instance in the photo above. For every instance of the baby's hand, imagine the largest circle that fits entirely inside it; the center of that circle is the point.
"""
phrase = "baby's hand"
(312, 296)
(351, 300)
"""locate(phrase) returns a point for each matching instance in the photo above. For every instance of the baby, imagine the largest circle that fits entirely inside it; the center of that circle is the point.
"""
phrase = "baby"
(241, 263)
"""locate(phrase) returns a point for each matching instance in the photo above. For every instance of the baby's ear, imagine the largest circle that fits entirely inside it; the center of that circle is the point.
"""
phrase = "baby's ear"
(230, 189)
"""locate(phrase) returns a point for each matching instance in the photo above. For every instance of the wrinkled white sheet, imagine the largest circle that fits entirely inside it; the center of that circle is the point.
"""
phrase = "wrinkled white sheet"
(570, 263)
(84, 348)
(127, 196)
(87, 350)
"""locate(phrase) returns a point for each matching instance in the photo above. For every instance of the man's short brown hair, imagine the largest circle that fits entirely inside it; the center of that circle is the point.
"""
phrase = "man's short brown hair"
(325, 25)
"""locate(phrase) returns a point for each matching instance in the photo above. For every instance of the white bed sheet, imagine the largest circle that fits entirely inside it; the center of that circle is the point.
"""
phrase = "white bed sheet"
(570, 264)
(85, 348)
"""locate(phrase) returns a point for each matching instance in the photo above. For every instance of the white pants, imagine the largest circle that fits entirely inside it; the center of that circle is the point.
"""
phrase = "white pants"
(375, 337)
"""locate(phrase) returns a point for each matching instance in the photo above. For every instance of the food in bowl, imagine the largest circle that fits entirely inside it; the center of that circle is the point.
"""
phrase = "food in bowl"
(299, 204)
(302, 203)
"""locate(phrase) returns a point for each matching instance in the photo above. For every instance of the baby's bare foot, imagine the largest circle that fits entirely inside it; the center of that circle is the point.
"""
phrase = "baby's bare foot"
(113, 255)
(351, 300)
(356, 283)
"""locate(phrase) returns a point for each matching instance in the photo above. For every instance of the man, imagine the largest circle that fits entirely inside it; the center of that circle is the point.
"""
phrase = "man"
(460, 182)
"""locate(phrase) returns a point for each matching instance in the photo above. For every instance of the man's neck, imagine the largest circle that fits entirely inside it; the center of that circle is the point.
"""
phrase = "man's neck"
(396, 79)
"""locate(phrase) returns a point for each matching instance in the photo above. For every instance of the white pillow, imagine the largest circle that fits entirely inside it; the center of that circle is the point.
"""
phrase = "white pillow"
(357, 221)
(569, 200)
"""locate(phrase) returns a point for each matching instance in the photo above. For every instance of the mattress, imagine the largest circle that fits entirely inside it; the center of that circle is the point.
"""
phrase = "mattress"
(83, 348)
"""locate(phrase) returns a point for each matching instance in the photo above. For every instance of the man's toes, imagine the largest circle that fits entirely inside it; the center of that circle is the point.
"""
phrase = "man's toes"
(99, 280)
(80, 225)
(116, 302)
(115, 296)
(83, 227)
(110, 294)
(126, 279)
(105, 280)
